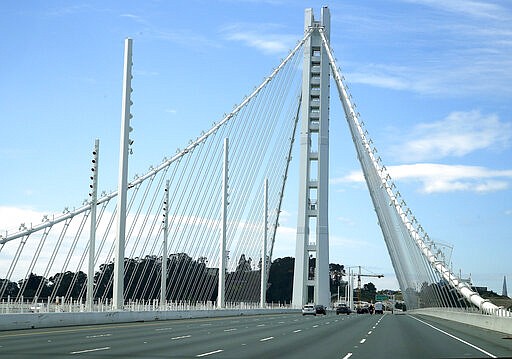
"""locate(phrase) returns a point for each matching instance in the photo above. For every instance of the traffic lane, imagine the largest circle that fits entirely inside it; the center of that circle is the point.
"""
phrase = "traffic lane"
(499, 344)
(288, 336)
(406, 336)
(132, 338)
(325, 337)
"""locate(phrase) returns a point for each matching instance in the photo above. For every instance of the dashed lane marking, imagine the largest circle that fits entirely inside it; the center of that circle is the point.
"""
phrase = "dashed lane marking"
(209, 353)
(347, 356)
(362, 340)
(181, 337)
(98, 336)
(265, 339)
(90, 350)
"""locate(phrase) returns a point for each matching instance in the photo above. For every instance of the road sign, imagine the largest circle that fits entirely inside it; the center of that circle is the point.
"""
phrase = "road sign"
(381, 297)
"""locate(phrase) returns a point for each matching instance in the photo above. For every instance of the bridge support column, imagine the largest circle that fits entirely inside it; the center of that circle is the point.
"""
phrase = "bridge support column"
(311, 276)
(118, 285)
(221, 302)
(263, 290)
(92, 236)
(163, 277)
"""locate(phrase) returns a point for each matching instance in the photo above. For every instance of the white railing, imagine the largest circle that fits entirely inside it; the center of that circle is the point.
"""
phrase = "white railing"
(11, 306)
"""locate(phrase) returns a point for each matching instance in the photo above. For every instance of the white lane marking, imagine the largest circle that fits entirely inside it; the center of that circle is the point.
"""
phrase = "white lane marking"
(229, 330)
(362, 340)
(181, 337)
(265, 339)
(454, 337)
(347, 356)
(298, 330)
(370, 332)
(260, 325)
(209, 353)
(98, 336)
(315, 326)
(90, 350)
(158, 329)
(280, 322)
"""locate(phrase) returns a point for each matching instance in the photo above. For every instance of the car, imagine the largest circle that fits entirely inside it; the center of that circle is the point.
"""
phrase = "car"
(309, 309)
(343, 309)
(320, 309)
(363, 310)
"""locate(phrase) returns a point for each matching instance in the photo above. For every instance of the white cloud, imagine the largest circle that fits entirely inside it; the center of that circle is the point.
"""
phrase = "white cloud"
(459, 134)
(440, 178)
(261, 37)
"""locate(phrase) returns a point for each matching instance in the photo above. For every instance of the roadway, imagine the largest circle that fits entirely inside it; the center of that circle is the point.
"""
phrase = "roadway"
(267, 336)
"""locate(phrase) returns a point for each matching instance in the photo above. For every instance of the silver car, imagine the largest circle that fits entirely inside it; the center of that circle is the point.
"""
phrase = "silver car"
(309, 309)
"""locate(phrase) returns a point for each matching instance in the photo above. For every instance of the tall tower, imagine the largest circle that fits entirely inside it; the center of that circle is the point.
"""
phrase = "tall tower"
(311, 276)
(504, 292)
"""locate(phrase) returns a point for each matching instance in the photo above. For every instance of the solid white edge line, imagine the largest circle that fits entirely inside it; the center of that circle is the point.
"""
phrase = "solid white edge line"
(209, 353)
(90, 350)
(454, 337)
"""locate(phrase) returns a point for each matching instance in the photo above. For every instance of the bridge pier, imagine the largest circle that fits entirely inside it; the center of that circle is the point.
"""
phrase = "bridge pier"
(311, 275)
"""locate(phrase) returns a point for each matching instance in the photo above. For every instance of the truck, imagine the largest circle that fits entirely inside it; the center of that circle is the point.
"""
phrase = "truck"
(379, 308)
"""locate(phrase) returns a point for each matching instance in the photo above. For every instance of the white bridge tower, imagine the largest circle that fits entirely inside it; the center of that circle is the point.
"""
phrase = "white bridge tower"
(311, 275)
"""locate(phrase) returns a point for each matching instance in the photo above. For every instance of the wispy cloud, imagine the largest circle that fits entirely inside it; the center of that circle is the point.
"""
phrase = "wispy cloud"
(457, 135)
(181, 36)
(441, 178)
(454, 48)
(264, 37)
(477, 9)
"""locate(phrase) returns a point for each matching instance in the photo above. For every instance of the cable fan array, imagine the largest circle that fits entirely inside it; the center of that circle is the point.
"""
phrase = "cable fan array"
(423, 275)
(48, 261)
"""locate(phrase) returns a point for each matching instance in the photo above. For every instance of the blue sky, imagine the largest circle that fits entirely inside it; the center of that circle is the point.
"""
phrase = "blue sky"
(432, 81)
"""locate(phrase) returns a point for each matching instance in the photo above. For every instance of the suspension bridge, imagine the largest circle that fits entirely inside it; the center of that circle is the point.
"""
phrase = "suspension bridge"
(198, 229)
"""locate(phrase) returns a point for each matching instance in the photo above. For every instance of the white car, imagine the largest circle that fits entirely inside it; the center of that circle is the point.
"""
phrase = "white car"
(309, 309)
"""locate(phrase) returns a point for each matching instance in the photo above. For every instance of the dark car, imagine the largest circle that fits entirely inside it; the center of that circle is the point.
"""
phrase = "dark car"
(320, 309)
(363, 310)
(343, 309)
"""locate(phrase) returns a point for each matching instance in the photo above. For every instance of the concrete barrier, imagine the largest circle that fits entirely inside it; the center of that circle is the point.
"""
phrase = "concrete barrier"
(47, 320)
(491, 322)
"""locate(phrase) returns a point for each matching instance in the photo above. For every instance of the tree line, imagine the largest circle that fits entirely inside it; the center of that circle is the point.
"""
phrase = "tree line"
(189, 280)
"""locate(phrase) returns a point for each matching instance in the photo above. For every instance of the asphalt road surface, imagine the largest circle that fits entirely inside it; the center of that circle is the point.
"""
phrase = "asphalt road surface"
(267, 336)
